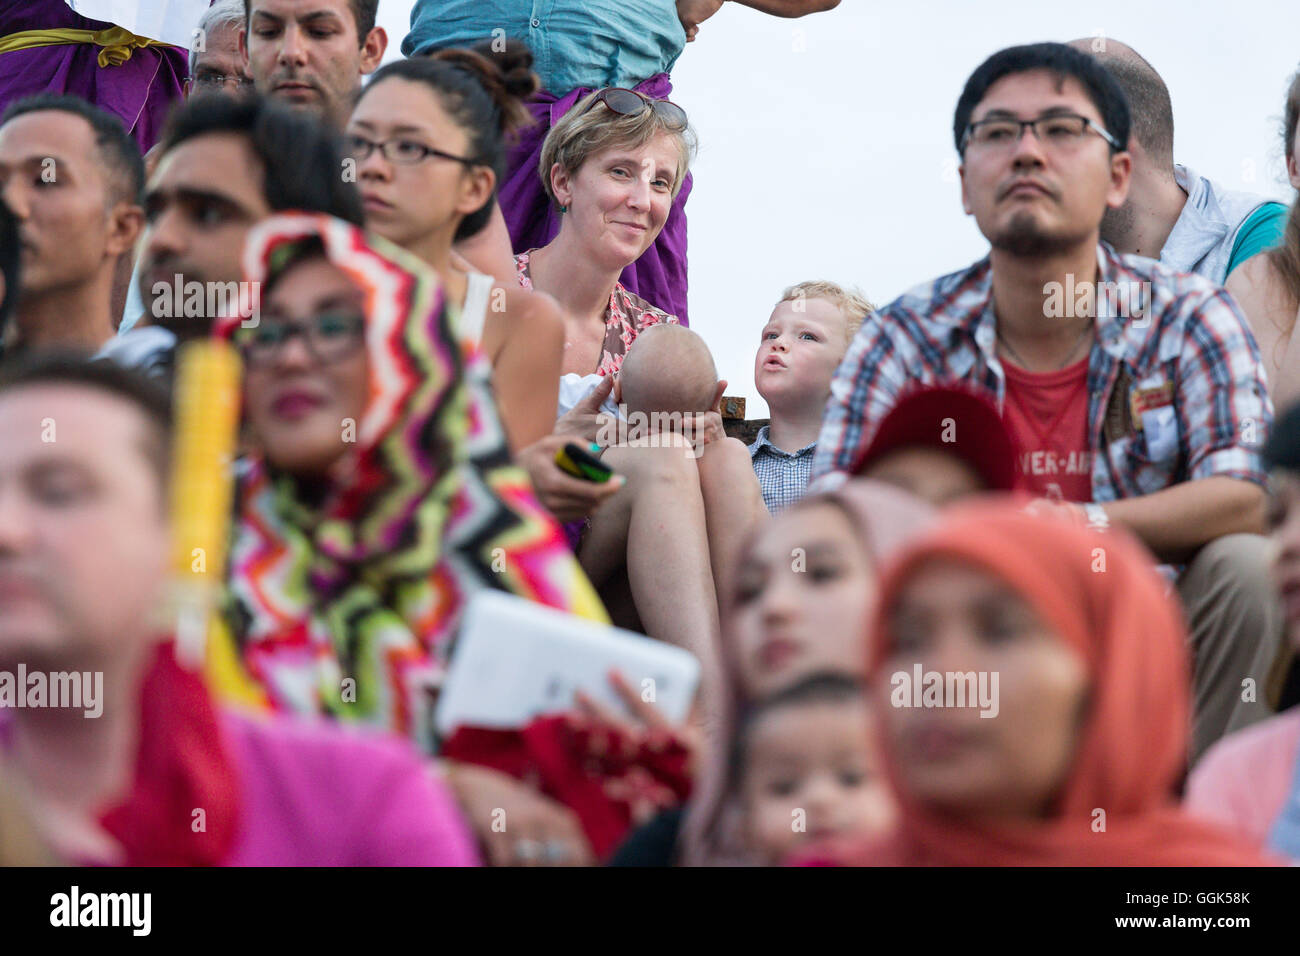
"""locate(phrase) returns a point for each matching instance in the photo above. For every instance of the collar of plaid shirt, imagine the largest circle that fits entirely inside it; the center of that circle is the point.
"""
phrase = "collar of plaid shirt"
(1189, 342)
(762, 442)
(1110, 371)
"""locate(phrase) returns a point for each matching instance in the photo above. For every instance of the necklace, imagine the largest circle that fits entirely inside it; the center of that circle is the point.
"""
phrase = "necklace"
(1069, 355)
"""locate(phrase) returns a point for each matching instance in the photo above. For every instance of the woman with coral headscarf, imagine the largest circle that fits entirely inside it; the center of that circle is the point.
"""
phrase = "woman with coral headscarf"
(1071, 751)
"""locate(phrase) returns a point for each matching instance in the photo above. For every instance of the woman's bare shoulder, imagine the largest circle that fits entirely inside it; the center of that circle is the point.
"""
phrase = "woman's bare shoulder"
(523, 303)
(1256, 280)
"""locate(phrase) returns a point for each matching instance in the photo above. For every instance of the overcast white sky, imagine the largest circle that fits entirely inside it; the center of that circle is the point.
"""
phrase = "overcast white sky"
(826, 146)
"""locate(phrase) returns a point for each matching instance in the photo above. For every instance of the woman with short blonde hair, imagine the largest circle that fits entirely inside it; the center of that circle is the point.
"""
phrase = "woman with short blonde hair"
(665, 530)
(612, 166)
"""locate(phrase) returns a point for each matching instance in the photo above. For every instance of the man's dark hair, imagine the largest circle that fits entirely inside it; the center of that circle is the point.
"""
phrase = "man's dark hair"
(117, 149)
(302, 159)
(1151, 111)
(77, 368)
(1061, 60)
(363, 12)
(10, 260)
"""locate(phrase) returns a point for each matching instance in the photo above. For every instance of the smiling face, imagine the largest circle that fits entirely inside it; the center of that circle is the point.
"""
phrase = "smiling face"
(302, 408)
(411, 113)
(307, 53)
(803, 593)
(74, 512)
(619, 199)
(953, 617)
(1040, 197)
(818, 758)
(802, 345)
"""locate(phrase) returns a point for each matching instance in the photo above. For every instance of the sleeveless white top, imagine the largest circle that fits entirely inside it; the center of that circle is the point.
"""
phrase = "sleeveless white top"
(473, 315)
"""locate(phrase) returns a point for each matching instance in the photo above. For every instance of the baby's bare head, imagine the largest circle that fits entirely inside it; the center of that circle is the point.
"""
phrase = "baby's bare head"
(668, 369)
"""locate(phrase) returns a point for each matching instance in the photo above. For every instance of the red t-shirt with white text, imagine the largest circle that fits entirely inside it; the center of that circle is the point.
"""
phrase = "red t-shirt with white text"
(1047, 413)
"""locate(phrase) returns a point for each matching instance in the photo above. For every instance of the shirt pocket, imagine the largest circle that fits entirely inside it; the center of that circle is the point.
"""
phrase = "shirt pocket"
(1150, 457)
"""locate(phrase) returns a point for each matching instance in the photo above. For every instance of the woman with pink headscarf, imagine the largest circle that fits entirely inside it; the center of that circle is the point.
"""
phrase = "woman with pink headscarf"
(798, 607)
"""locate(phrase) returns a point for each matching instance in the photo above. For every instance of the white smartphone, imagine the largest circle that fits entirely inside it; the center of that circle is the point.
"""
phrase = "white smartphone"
(516, 659)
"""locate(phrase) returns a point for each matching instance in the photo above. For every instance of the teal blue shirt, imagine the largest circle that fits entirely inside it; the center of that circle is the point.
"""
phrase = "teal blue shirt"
(1261, 231)
(575, 43)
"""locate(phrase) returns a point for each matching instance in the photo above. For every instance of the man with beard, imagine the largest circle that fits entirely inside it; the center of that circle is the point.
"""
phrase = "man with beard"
(216, 66)
(1136, 394)
(312, 53)
(226, 163)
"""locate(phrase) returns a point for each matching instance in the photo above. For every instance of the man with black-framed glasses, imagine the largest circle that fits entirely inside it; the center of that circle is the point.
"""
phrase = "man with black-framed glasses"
(1135, 393)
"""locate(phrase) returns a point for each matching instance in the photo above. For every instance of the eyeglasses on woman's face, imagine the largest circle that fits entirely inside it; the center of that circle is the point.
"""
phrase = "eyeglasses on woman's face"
(329, 337)
(400, 152)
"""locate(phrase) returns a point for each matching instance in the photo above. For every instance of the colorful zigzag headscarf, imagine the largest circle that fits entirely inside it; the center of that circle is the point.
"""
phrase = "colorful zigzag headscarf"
(348, 608)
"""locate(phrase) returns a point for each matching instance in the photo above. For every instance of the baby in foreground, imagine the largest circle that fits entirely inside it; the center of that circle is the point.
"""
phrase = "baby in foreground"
(808, 769)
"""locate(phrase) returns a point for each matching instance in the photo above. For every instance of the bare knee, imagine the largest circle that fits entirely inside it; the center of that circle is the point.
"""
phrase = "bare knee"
(729, 454)
(667, 459)
(727, 466)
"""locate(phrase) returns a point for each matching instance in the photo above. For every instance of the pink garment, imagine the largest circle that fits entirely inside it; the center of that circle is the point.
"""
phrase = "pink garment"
(1243, 781)
(317, 794)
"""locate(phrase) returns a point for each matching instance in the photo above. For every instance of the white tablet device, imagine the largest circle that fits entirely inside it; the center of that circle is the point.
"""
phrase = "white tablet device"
(517, 659)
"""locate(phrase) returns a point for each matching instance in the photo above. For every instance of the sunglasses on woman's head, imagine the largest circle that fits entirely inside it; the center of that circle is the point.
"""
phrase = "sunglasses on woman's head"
(627, 102)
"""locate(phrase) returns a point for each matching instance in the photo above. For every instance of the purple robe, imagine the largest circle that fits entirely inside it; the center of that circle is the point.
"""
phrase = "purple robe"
(139, 92)
(659, 276)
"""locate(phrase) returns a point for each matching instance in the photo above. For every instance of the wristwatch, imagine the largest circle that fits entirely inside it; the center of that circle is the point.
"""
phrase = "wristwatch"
(1098, 520)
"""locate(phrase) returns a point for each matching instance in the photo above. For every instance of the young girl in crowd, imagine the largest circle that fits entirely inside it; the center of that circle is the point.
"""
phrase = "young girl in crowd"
(1089, 740)
(806, 761)
(1250, 780)
(428, 137)
(1267, 287)
(804, 588)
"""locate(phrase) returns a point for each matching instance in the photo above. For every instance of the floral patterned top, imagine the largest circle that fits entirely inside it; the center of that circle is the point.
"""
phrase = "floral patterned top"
(626, 316)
